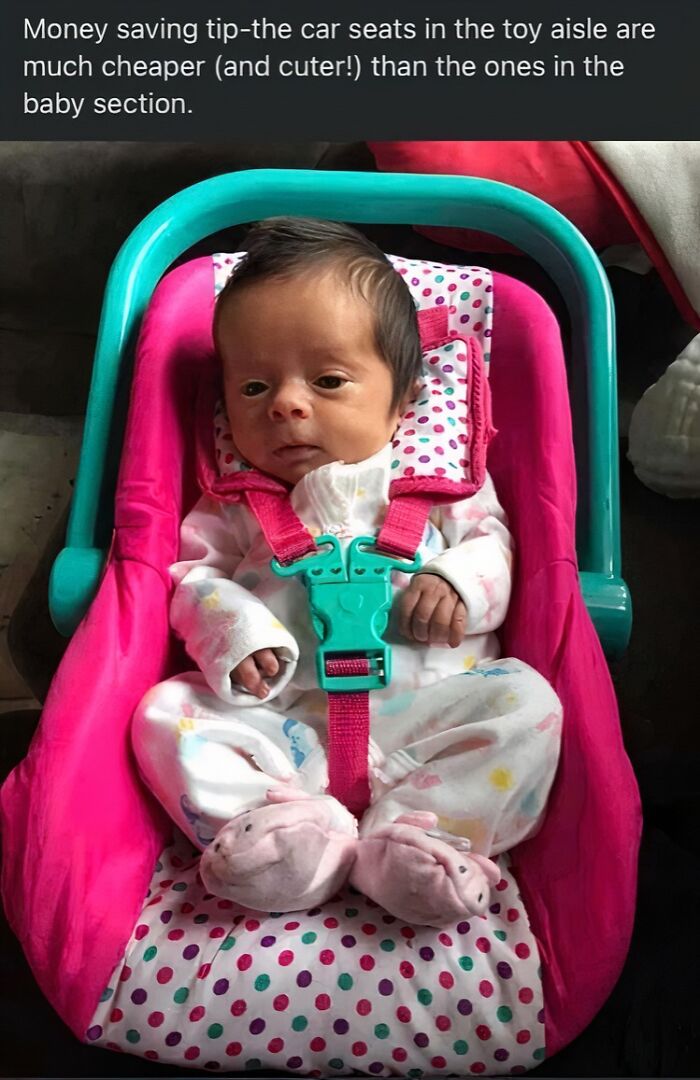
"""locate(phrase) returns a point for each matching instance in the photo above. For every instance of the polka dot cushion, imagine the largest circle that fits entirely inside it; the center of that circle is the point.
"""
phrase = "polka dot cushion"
(466, 292)
(335, 990)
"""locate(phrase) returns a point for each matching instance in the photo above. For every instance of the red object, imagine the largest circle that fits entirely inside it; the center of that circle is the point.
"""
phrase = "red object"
(641, 231)
(553, 171)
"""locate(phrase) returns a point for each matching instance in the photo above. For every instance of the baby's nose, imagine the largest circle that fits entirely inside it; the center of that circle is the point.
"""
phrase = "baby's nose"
(289, 401)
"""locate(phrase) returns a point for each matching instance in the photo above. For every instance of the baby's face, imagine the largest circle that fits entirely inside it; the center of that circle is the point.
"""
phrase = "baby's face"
(303, 379)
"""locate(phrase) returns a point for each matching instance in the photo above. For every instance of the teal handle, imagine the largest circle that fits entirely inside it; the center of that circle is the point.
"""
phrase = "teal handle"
(223, 201)
(75, 577)
(610, 607)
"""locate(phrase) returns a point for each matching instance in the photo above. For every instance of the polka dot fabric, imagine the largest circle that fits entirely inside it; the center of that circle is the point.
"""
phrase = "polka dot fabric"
(466, 292)
(433, 438)
(336, 990)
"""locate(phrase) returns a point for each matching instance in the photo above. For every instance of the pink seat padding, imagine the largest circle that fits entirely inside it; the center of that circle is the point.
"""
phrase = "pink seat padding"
(80, 833)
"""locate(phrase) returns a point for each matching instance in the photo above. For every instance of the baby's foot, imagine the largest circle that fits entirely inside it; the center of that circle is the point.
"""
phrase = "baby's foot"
(420, 877)
(293, 853)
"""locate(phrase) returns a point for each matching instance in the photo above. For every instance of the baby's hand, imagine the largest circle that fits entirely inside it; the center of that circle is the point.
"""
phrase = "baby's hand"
(249, 673)
(431, 612)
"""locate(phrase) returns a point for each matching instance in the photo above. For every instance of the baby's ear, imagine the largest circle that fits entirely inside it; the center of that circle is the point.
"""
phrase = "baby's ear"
(411, 395)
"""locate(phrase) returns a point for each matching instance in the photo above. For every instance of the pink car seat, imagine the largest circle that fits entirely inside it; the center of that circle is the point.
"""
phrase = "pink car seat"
(82, 835)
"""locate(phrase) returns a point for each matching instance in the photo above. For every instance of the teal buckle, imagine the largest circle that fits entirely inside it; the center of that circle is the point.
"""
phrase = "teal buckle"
(350, 597)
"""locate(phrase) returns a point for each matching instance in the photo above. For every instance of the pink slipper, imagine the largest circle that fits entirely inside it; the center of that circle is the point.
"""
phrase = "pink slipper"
(420, 877)
(291, 854)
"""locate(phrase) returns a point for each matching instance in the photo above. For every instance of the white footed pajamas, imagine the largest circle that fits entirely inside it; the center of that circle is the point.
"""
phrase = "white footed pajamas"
(477, 749)
(458, 733)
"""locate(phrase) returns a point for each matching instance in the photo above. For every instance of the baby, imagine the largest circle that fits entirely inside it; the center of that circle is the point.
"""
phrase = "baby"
(320, 353)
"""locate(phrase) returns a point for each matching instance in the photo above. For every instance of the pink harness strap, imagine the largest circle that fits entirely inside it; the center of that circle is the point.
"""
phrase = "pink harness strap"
(433, 325)
(348, 739)
(288, 537)
(404, 525)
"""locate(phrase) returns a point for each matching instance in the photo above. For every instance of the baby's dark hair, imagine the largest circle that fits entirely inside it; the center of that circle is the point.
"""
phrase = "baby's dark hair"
(281, 247)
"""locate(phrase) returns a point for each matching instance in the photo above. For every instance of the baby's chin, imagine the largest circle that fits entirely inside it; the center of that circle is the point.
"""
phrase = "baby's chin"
(292, 468)
(294, 463)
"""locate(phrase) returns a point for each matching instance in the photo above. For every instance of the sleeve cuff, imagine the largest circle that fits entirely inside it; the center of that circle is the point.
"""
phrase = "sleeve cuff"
(221, 624)
(481, 579)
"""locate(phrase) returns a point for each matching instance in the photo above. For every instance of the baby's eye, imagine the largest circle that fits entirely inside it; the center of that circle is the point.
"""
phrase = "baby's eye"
(330, 382)
(253, 388)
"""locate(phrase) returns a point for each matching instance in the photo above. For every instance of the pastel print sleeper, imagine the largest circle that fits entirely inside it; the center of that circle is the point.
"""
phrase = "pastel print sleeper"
(460, 739)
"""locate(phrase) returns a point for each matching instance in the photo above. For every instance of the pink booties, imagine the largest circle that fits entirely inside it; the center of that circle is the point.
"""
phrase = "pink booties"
(420, 877)
(294, 853)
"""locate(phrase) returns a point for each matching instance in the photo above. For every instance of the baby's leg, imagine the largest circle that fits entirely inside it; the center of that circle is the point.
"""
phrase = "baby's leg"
(251, 782)
(205, 762)
(478, 759)
(479, 750)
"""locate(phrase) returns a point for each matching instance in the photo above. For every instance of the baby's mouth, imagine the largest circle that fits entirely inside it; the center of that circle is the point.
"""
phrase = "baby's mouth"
(296, 453)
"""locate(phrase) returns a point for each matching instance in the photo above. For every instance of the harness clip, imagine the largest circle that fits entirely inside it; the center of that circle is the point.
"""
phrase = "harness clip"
(350, 597)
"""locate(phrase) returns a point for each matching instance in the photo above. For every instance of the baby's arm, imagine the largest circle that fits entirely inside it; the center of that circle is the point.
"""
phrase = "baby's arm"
(466, 589)
(235, 640)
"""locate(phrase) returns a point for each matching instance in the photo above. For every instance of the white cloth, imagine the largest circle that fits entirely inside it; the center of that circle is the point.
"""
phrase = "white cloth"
(664, 435)
(474, 740)
(663, 181)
